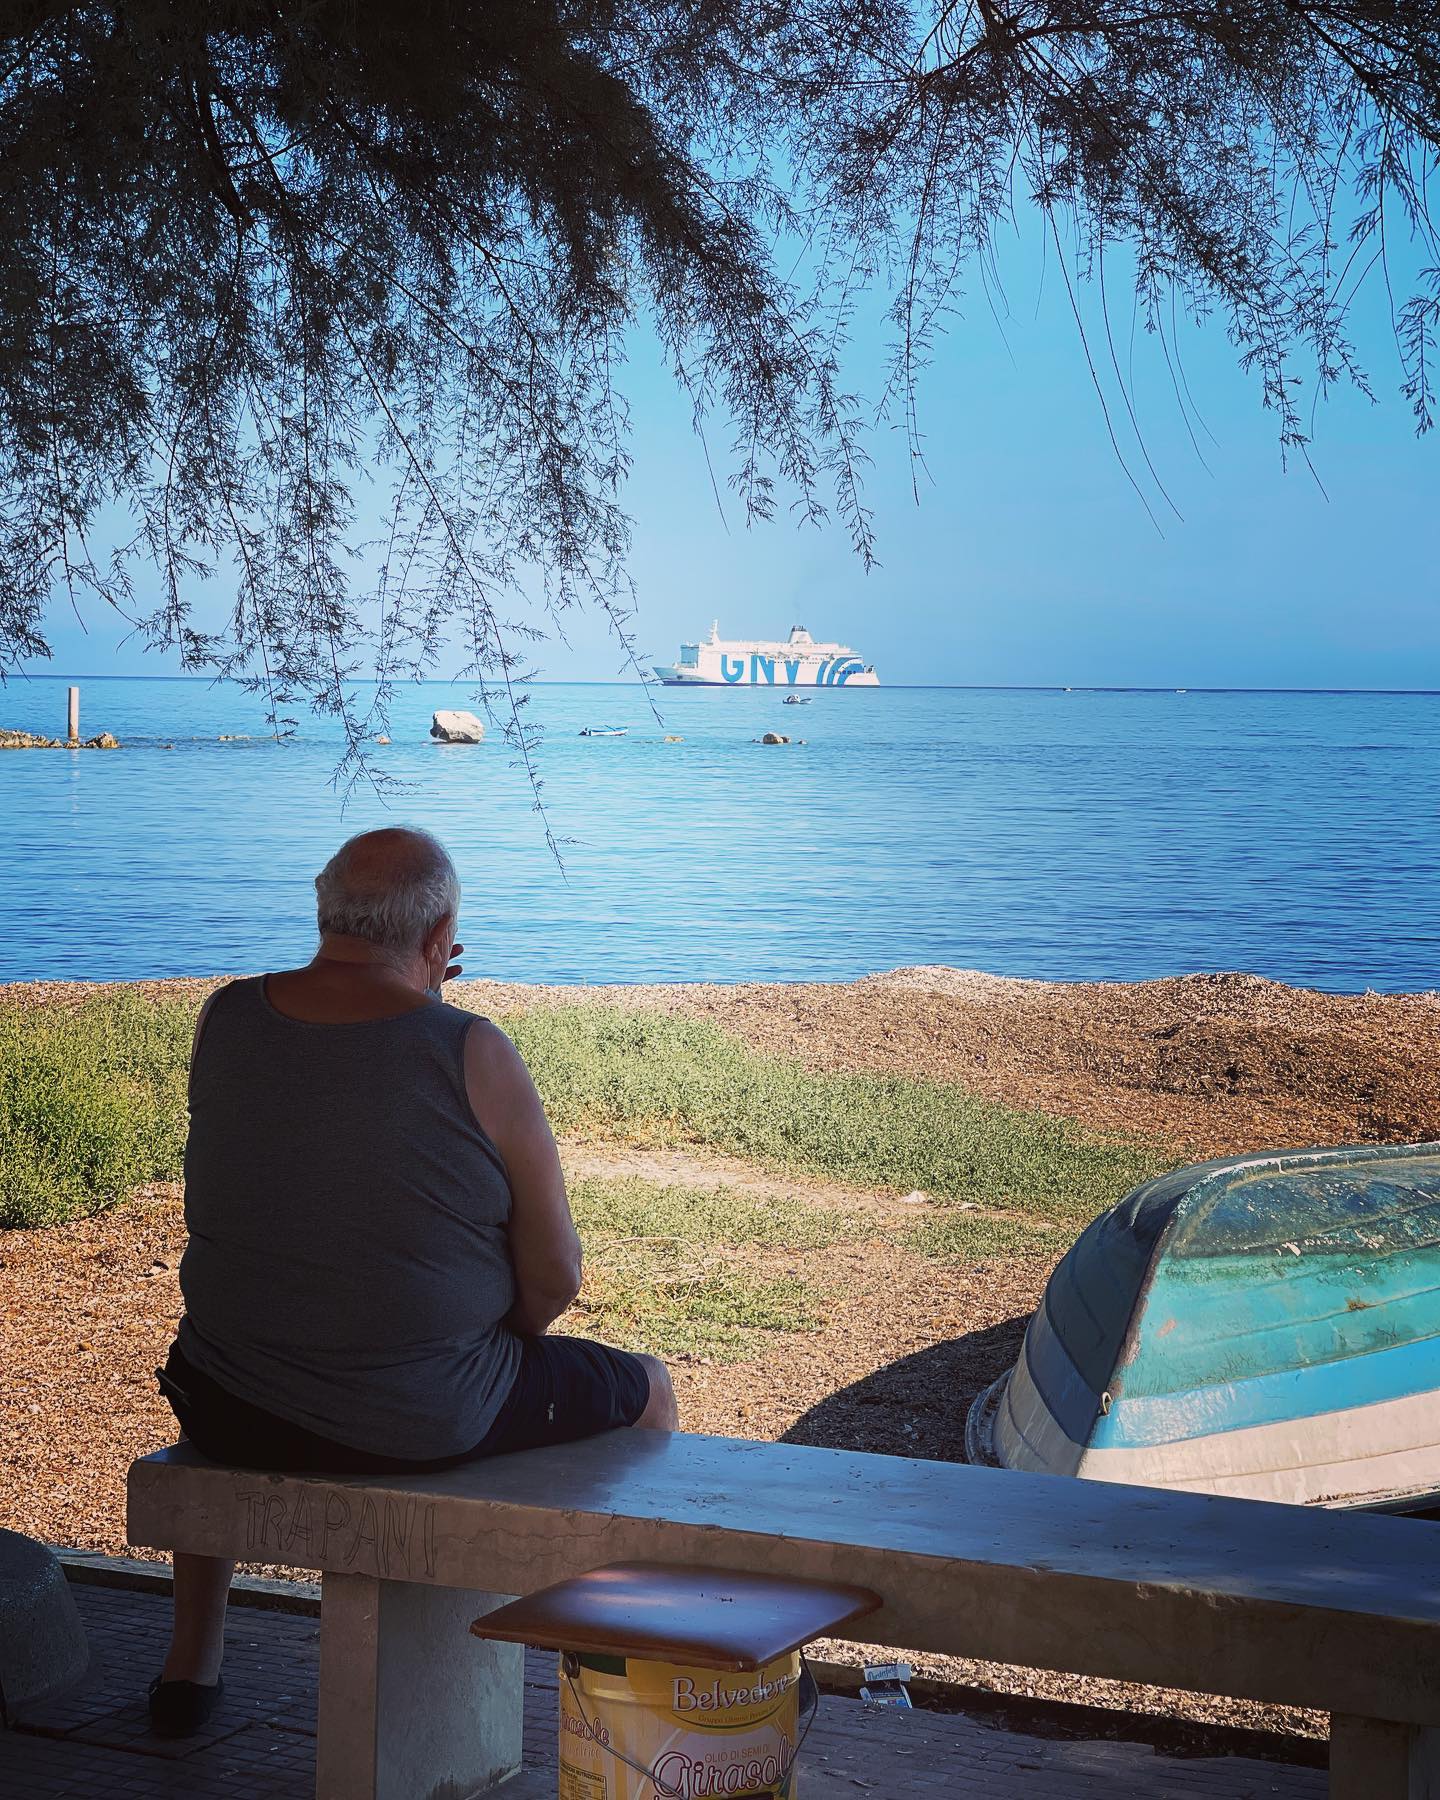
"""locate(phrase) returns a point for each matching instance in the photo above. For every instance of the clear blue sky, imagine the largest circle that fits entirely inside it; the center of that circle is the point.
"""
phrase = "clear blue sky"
(1029, 559)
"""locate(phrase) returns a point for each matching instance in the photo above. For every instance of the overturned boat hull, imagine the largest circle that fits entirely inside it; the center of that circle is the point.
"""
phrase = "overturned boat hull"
(1267, 1327)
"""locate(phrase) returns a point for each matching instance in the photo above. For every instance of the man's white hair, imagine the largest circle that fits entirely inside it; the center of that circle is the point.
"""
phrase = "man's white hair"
(389, 887)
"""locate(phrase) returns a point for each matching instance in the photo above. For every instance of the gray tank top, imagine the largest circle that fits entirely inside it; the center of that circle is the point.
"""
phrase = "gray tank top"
(348, 1265)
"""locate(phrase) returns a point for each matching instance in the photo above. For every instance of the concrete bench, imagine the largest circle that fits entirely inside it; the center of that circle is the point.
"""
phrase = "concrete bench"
(1302, 1607)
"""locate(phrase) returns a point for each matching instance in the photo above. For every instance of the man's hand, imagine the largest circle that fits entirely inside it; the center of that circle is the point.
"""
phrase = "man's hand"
(455, 970)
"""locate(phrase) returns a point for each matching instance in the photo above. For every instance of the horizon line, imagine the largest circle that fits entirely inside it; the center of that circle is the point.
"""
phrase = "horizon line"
(949, 687)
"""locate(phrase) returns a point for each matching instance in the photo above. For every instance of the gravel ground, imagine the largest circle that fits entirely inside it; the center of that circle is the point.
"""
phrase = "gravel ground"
(1215, 1063)
(89, 1309)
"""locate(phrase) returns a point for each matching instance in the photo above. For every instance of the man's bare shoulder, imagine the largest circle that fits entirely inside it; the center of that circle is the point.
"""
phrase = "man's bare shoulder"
(490, 1054)
(502, 1094)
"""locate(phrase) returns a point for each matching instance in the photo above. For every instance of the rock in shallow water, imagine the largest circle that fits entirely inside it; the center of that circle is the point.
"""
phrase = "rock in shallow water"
(27, 740)
(457, 728)
(30, 740)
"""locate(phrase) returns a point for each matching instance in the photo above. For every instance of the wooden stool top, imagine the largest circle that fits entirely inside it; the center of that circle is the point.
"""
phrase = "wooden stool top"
(670, 1612)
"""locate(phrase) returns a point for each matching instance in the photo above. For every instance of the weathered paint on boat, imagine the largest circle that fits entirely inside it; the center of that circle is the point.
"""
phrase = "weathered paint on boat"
(1267, 1327)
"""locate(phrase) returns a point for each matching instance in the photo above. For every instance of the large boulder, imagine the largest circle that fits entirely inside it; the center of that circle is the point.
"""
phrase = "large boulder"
(457, 728)
(42, 1642)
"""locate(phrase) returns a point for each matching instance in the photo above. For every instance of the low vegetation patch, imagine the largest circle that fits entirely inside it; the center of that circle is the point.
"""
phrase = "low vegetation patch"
(697, 1270)
(92, 1104)
(975, 1236)
(618, 1209)
(649, 1078)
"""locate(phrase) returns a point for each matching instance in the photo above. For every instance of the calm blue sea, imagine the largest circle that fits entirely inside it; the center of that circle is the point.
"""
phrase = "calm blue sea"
(1075, 836)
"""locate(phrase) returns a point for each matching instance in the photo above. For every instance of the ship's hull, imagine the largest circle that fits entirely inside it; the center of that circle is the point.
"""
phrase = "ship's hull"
(756, 670)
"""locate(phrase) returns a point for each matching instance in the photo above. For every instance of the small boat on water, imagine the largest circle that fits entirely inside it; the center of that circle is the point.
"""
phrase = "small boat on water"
(1267, 1327)
(603, 730)
(798, 699)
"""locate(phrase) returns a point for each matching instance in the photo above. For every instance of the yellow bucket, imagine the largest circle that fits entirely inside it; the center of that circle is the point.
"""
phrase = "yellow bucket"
(632, 1730)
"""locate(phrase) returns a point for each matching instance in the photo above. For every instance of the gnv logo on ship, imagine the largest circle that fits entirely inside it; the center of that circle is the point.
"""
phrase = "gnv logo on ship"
(835, 672)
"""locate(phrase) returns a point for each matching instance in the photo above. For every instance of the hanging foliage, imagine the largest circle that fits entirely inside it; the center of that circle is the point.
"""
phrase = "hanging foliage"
(272, 267)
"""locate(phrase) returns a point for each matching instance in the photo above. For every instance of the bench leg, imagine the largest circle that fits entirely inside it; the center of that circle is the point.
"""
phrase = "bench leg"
(410, 1703)
(1374, 1759)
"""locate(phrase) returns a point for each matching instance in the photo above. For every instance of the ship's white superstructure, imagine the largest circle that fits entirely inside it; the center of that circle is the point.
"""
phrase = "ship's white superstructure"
(747, 662)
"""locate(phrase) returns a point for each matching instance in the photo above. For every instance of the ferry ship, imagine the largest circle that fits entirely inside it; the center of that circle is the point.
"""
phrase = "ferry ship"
(743, 662)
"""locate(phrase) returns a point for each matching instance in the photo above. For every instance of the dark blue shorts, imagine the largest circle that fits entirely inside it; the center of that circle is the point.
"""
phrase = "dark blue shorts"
(565, 1388)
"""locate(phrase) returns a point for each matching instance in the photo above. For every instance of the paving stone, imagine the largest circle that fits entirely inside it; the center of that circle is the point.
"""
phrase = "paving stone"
(93, 1742)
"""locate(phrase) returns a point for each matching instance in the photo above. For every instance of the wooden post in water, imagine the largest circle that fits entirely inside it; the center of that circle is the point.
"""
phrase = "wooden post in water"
(72, 731)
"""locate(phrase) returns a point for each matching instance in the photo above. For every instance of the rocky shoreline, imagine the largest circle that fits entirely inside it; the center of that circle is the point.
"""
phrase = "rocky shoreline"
(29, 740)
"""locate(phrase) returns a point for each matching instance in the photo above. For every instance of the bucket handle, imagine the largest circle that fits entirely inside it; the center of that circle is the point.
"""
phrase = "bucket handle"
(809, 1707)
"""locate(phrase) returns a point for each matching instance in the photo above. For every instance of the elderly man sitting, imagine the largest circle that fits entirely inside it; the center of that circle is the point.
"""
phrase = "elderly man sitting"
(379, 1233)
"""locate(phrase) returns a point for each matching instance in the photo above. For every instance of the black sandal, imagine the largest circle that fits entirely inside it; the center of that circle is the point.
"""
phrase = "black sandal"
(178, 1709)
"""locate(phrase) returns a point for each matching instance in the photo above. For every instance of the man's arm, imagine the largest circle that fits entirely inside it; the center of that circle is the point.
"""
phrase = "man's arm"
(202, 1018)
(544, 1244)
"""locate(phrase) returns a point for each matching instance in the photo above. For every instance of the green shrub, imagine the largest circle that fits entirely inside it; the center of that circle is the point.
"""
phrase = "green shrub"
(92, 1104)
